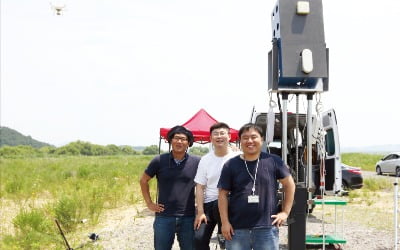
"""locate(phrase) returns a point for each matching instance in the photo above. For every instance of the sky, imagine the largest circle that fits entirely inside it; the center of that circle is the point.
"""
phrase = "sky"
(116, 71)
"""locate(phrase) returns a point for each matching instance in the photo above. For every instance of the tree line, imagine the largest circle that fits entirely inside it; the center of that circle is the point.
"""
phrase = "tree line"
(86, 149)
(73, 148)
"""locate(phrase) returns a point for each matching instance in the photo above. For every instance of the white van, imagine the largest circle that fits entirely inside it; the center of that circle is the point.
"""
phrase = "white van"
(333, 172)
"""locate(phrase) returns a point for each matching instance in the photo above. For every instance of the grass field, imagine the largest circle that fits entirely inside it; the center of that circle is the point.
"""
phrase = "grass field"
(364, 161)
(36, 191)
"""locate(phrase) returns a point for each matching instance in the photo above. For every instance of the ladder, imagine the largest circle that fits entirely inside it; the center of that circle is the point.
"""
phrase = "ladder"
(328, 239)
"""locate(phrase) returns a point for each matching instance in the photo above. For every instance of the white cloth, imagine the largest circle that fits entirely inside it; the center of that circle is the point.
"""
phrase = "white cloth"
(209, 171)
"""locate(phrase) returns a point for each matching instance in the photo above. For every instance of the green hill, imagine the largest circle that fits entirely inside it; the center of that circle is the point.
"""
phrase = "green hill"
(11, 137)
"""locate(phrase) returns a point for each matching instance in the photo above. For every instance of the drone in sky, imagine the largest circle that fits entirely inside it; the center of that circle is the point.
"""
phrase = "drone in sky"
(58, 8)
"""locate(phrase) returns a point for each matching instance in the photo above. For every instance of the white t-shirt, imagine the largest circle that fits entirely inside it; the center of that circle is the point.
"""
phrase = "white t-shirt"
(209, 171)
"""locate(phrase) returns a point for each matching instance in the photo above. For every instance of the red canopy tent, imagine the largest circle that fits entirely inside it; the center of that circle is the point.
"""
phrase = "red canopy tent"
(200, 125)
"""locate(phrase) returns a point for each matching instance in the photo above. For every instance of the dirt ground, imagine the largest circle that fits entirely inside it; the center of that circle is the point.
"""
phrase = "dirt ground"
(362, 227)
(131, 228)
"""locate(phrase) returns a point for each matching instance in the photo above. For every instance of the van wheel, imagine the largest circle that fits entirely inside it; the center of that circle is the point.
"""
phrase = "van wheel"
(397, 171)
(378, 170)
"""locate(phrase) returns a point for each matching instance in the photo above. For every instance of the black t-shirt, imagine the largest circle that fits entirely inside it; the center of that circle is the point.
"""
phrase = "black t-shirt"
(236, 179)
(175, 183)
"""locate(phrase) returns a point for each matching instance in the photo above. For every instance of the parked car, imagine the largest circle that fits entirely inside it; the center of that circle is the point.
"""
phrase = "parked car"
(390, 164)
(351, 177)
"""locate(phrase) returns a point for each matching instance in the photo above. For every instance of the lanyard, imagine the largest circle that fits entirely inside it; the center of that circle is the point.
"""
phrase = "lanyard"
(255, 175)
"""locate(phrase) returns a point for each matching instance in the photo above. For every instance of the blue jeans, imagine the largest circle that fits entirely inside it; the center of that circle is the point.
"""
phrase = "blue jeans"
(165, 228)
(256, 239)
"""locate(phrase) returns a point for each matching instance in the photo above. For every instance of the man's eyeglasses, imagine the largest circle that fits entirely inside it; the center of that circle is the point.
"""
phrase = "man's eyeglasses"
(178, 138)
(248, 138)
(219, 133)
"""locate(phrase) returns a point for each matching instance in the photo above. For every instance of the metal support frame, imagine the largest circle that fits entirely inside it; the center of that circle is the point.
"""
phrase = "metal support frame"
(297, 229)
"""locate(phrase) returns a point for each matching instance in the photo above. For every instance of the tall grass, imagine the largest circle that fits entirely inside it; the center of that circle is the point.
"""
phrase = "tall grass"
(68, 189)
(364, 161)
(34, 230)
(73, 188)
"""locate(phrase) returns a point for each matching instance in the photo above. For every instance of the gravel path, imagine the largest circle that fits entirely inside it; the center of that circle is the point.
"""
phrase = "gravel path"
(131, 228)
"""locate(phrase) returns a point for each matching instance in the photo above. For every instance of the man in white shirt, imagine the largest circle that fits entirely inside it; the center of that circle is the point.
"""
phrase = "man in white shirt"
(207, 176)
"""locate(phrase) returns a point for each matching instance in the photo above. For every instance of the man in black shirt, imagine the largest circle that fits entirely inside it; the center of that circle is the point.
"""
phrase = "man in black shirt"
(251, 218)
(175, 207)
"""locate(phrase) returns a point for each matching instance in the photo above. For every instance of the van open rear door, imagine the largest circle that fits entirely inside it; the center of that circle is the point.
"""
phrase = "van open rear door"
(333, 177)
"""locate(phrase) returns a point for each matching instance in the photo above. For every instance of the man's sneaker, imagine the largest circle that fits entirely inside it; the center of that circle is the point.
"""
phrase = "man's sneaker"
(221, 241)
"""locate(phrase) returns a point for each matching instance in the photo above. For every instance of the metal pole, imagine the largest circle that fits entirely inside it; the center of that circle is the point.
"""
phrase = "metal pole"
(396, 189)
(343, 221)
(309, 171)
(159, 145)
(296, 229)
(62, 234)
(297, 139)
(309, 144)
(284, 127)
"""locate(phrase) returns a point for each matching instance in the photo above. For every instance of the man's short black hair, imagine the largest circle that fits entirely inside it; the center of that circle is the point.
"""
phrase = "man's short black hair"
(249, 126)
(180, 130)
(219, 125)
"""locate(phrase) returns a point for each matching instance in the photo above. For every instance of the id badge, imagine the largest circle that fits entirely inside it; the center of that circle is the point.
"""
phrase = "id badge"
(252, 199)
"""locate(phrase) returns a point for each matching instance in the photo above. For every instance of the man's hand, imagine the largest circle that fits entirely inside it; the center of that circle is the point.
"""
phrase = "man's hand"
(227, 231)
(158, 208)
(199, 219)
(279, 218)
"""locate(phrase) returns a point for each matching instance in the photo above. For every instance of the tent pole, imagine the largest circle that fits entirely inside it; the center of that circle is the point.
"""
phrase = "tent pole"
(159, 146)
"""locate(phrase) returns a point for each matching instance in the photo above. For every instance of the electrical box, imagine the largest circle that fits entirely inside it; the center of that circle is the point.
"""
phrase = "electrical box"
(298, 60)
